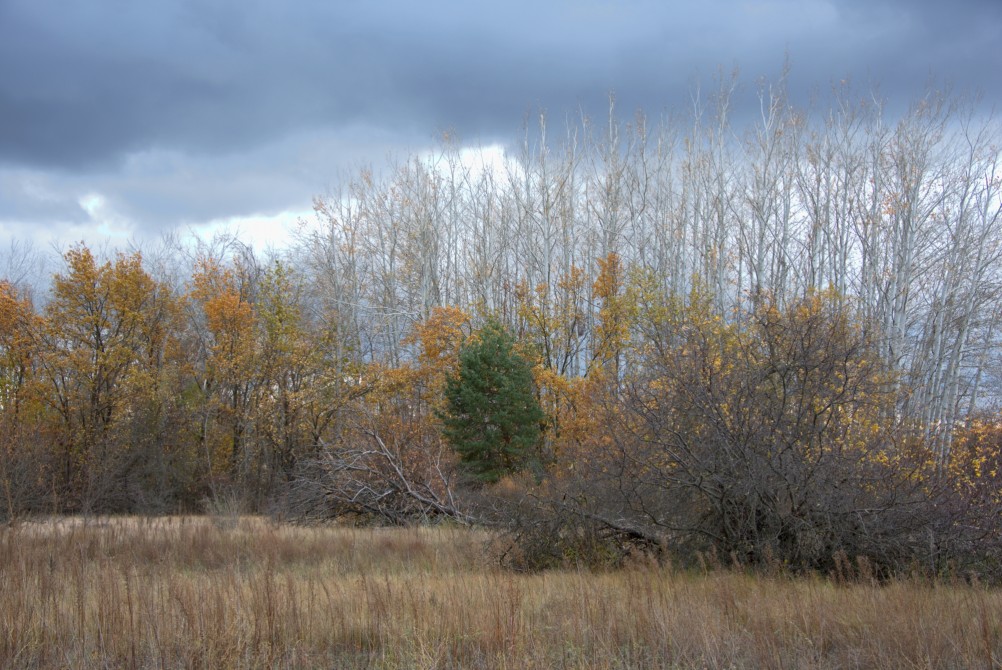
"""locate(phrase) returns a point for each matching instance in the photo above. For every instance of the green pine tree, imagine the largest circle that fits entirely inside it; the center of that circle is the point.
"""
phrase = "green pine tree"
(492, 416)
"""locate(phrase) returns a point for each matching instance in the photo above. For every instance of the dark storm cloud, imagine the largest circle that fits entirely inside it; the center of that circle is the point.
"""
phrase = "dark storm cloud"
(85, 82)
(219, 92)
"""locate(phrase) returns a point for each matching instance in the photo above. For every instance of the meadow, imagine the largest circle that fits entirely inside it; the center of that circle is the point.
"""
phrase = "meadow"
(247, 592)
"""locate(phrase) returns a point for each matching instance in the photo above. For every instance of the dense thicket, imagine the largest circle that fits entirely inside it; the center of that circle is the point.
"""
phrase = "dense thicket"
(775, 342)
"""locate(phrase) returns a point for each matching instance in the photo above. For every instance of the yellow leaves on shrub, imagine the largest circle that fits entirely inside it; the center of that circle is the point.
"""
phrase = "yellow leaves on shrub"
(976, 458)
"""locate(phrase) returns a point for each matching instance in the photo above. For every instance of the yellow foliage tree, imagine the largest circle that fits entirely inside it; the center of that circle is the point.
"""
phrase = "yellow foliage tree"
(229, 357)
(18, 330)
(104, 343)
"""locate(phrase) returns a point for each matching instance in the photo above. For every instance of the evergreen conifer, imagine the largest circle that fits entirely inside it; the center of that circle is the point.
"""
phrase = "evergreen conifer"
(492, 416)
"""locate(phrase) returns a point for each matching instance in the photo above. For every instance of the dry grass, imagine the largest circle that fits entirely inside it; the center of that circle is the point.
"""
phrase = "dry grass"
(194, 593)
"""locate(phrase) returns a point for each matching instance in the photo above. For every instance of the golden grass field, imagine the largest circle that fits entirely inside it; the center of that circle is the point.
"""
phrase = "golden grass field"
(200, 592)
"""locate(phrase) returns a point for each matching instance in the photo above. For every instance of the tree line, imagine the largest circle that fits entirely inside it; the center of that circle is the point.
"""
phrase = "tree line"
(773, 342)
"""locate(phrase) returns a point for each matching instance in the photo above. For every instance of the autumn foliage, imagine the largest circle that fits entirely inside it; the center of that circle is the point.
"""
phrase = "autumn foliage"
(765, 436)
(776, 347)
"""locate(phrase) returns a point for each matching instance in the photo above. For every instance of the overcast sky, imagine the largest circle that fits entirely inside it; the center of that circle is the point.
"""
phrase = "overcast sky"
(123, 119)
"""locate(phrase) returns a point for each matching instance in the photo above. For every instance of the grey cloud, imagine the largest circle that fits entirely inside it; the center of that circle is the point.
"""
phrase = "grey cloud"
(185, 109)
(35, 196)
(154, 191)
(89, 82)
